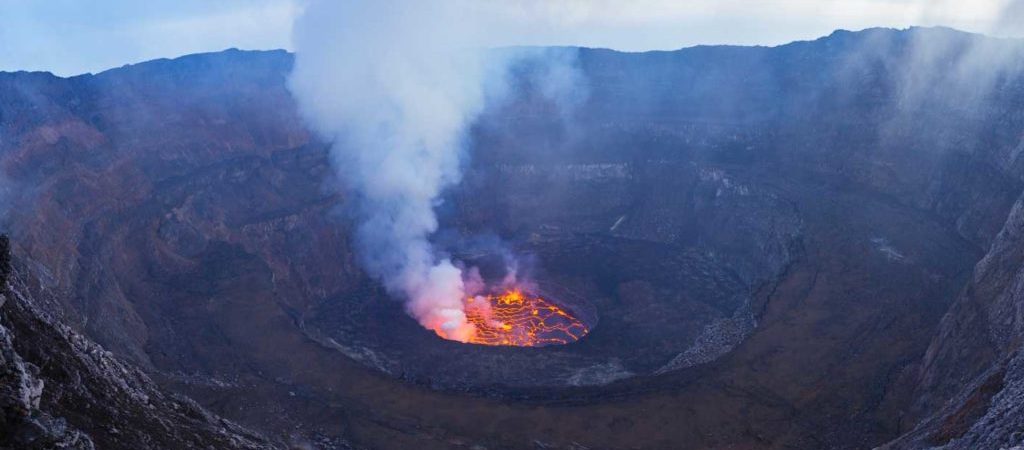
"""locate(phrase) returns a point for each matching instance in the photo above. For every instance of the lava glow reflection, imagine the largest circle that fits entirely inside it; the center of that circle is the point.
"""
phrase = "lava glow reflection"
(518, 319)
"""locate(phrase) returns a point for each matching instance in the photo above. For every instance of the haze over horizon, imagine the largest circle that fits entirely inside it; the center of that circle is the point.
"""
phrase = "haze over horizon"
(69, 38)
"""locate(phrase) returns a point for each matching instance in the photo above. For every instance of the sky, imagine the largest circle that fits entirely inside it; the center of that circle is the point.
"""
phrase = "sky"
(69, 37)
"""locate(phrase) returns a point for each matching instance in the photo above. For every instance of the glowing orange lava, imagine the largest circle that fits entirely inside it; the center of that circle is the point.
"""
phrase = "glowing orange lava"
(521, 320)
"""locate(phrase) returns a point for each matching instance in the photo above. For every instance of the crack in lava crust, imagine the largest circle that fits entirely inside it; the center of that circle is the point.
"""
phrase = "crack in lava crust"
(520, 319)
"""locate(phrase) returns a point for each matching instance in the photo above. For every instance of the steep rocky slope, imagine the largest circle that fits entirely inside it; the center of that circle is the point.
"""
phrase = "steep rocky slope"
(971, 391)
(768, 240)
(58, 389)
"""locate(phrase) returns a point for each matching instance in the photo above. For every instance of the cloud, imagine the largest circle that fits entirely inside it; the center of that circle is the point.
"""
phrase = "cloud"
(1011, 19)
(256, 26)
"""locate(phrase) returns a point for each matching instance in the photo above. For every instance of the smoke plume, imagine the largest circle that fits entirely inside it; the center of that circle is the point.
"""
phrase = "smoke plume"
(394, 85)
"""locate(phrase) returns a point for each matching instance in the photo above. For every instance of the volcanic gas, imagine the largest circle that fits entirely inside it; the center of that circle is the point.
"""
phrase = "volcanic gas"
(517, 318)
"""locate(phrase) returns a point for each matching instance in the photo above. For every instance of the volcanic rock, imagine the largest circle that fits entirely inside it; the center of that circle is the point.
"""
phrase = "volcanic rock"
(58, 389)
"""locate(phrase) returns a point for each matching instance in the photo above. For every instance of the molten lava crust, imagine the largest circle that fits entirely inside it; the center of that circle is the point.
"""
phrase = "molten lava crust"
(520, 319)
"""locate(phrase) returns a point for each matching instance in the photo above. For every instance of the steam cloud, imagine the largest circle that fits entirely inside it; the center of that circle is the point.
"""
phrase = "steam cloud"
(394, 85)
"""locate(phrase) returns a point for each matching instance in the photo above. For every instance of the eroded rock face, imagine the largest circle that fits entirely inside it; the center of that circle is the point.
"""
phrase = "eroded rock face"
(972, 378)
(766, 254)
(58, 389)
(24, 424)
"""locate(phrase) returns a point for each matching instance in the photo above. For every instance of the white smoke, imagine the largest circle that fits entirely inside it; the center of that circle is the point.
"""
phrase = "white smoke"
(394, 85)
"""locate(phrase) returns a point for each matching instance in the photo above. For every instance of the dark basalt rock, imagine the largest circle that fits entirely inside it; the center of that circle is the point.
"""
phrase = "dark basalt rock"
(971, 388)
(60, 390)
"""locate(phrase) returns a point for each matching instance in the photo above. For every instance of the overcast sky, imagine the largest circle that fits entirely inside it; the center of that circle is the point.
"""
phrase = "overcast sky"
(69, 37)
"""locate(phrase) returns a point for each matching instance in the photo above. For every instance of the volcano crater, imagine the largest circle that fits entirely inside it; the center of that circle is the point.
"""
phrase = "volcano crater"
(648, 309)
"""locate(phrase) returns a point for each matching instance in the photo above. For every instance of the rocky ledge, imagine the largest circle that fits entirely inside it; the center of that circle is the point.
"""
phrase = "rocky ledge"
(58, 389)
